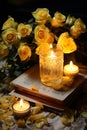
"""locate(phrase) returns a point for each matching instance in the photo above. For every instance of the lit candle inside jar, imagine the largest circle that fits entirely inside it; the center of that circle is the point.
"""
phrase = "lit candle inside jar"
(71, 69)
(21, 107)
(51, 67)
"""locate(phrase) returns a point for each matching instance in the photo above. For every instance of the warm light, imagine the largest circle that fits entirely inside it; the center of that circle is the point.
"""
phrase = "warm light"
(21, 107)
(51, 67)
(52, 53)
(21, 102)
(71, 65)
(51, 46)
(71, 69)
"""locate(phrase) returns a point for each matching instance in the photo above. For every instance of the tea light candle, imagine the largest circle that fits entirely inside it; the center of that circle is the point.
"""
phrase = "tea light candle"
(21, 107)
(71, 69)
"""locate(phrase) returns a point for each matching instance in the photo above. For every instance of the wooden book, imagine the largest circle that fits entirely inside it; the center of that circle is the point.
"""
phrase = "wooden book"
(46, 95)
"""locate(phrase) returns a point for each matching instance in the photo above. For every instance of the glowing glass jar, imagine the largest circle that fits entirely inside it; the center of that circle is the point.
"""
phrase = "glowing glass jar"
(51, 67)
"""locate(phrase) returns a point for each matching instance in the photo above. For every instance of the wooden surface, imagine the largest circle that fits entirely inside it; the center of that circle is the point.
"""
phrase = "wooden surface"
(46, 95)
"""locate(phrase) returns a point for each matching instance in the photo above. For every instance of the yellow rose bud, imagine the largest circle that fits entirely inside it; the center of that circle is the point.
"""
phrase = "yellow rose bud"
(9, 23)
(58, 19)
(78, 28)
(24, 51)
(55, 23)
(70, 20)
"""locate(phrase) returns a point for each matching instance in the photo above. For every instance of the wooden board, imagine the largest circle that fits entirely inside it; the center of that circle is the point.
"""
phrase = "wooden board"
(50, 97)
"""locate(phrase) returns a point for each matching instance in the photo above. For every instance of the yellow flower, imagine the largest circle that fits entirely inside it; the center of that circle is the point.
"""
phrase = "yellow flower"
(42, 34)
(9, 23)
(10, 36)
(4, 51)
(67, 43)
(42, 49)
(24, 51)
(41, 15)
(50, 38)
(70, 20)
(24, 29)
(58, 19)
(78, 28)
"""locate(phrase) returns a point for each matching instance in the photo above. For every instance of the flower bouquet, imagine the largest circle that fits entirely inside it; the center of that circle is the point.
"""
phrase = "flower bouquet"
(21, 43)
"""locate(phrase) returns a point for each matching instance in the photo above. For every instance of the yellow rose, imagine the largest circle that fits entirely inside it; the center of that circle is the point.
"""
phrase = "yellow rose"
(70, 20)
(9, 23)
(67, 43)
(10, 36)
(24, 29)
(42, 49)
(58, 19)
(41, 15)
(78, 28)
(24, 51)
(4, 51)
(41, 34)
(50, 38)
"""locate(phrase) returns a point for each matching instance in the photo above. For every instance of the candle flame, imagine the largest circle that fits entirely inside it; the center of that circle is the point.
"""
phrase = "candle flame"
(71, 64)
(52, 54)
(21, 102)
(51, 46)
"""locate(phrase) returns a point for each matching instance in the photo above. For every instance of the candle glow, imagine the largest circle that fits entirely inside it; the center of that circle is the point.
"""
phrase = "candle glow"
(52, 54)
(71, 69)
(21, 107)
(21, 102)
(51, 67)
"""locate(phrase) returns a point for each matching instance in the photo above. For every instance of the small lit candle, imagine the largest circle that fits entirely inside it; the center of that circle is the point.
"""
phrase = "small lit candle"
(71, 69)
(21, 107)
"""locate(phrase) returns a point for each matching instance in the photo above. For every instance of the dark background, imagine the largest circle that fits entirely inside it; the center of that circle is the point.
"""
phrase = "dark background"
(21, 9)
